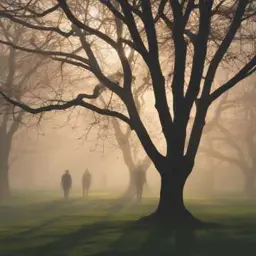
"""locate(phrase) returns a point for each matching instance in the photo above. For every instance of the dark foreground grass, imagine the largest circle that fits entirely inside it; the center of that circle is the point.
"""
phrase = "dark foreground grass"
(39, 224)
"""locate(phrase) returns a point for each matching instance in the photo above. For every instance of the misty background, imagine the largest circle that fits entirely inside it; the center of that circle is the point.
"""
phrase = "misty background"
(42, 152)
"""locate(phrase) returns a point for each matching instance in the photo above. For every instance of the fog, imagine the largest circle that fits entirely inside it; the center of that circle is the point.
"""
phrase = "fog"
(42, 149)
(41, 153)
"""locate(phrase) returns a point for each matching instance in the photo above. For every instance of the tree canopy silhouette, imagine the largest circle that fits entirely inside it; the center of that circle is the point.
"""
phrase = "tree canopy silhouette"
(182, 44)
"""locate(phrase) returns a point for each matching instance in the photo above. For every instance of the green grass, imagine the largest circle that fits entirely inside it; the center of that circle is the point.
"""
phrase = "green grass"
(34, 223)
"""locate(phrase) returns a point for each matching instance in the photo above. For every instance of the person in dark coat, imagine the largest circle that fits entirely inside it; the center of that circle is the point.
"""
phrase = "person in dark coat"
(86, 182)
(66, 183)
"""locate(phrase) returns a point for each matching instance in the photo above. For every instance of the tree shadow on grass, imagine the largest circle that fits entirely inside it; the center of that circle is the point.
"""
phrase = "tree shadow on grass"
(30, 231)
(221, 241)
(86, 236)
(117, 238)
(43, 232)
(137, 241)
(104, 237)
(122, 238)
(17, 212)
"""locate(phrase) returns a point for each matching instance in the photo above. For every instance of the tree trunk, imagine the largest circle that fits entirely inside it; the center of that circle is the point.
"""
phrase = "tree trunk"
(4, 182)
(171, 208)
(130, 191)
(171, 205)
(4, 166)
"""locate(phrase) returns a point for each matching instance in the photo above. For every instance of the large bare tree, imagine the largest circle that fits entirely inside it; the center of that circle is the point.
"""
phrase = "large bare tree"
(204, 36)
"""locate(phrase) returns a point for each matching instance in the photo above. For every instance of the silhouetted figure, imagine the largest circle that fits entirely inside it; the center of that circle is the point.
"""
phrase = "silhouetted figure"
(86, 182)
(140, 180)
(66, 183)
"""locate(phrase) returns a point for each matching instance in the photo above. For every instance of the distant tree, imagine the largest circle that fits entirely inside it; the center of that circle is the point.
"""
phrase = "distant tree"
(235, 142)
(16, 72)
(126, 141)
(130, 150)
(205, 36)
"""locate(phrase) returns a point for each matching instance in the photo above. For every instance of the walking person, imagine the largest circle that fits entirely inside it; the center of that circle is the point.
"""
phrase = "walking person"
(86, 182)
(66, 183)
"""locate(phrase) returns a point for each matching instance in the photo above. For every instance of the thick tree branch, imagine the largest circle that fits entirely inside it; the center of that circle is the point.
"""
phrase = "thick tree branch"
(78, 101)
(149, 24)
(236, 22)
(55, 54)
(46, 53)
(200, 52)
(114, 10)
(131, 24)
(63, 4)
(160, 10)
(180, 57)
(170, 25)
(125, 61)
(41, 14)
(246, 71)
(190, 6)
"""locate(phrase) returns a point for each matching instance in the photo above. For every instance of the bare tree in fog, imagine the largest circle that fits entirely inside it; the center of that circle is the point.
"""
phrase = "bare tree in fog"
(16, 72)
(206, 146)
(204, 36)
(237, 134)
(129, 149)
(125, 141)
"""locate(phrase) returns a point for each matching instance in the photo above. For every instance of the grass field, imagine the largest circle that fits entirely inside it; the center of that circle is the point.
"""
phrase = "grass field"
(43, 224)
